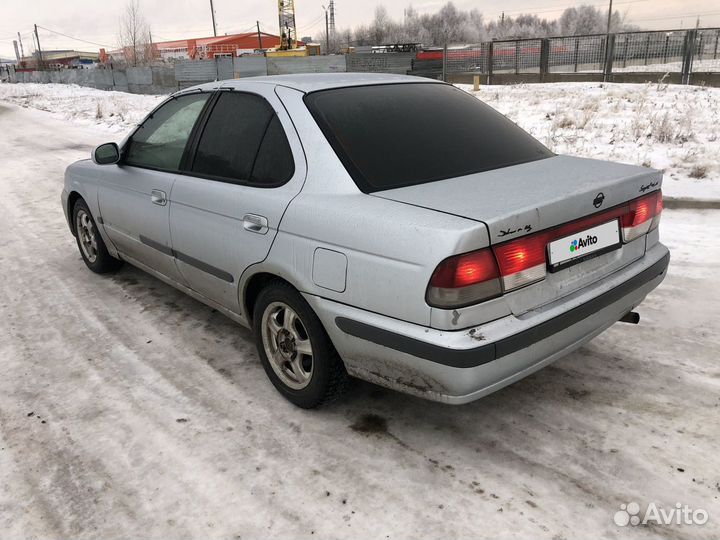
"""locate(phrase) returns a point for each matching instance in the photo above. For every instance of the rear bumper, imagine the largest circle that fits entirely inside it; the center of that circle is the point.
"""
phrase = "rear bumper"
(460, 366)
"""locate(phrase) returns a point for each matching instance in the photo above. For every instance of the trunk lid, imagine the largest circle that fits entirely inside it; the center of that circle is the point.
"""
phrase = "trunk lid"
(530, 197)
(527, 198)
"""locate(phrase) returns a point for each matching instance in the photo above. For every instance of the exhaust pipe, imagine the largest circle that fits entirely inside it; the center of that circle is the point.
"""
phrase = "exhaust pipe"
(632, 317)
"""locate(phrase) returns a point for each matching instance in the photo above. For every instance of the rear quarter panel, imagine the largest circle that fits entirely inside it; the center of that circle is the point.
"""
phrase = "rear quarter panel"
(391, 249)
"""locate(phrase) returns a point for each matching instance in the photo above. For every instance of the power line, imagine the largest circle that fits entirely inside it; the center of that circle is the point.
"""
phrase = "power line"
(563, 7)
(681, 16)
(71, 37)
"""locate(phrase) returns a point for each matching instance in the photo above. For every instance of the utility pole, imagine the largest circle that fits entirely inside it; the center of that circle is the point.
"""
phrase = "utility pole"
(40, 58)
(502, 20)
(22, 53)
(327, 33)
(609, 18)
(259, 36)
(212, 12)
(331, 7)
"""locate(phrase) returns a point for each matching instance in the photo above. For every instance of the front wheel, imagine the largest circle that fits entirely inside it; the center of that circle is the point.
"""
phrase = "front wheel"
(295, 351)
(90, 243)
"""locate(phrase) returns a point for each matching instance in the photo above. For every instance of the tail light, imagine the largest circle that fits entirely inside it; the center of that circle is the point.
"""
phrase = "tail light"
(522, 261)
(658, 211)
(469, 278)
(464, 279)
(640, 216)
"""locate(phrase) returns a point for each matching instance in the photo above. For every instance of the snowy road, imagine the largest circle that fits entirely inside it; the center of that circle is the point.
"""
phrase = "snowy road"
(130, 410)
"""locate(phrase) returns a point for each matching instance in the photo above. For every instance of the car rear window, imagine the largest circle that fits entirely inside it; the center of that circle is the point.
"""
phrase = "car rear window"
(397, 135)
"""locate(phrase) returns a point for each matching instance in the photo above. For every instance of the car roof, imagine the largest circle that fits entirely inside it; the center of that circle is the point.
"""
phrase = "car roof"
(311, 82)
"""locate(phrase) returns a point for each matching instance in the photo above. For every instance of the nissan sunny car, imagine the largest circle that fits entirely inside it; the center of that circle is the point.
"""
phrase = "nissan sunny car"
(389, 228)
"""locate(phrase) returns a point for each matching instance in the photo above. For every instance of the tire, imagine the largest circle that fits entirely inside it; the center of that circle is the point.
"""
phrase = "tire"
(283, 343)
(90, 243)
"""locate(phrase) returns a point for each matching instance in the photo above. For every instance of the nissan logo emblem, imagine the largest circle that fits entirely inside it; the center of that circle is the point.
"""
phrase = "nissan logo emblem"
(599, 198)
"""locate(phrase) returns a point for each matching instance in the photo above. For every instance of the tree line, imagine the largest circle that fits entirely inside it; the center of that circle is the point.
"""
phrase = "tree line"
(456, 26)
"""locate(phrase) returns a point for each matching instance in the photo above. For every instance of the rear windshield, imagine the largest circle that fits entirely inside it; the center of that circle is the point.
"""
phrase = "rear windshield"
(396, 135)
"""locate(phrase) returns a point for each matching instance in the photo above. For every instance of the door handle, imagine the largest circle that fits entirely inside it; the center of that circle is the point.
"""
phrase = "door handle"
(255, 223)
(158, 197)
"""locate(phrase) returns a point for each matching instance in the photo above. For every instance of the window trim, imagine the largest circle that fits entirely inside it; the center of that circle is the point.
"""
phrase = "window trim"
(125, 147)
(195, 136)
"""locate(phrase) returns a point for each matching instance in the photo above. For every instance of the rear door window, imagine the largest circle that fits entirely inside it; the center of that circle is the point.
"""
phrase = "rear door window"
(395, 135)
(243, 141)
(160, 141)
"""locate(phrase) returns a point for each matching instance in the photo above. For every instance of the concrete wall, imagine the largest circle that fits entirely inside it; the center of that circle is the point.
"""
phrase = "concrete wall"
(398, 63)
(306, 64)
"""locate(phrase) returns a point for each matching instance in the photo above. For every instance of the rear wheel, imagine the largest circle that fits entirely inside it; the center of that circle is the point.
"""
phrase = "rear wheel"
(90, 243)
(295, 351)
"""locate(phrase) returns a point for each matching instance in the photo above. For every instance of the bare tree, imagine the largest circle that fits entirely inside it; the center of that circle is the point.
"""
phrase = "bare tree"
(455, 26)
(134, 35)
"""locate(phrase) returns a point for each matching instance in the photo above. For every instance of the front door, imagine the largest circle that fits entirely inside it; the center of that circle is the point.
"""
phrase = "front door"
(225, 210)
(134, 195)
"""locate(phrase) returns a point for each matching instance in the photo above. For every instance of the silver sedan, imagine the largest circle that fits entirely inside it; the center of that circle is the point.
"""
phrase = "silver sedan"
(390, 228)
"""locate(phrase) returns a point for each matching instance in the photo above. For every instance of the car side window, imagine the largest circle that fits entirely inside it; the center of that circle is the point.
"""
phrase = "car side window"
(243, 141)
(160, 141)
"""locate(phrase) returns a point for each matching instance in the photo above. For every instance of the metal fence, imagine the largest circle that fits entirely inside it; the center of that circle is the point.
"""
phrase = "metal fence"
(707, 54)
(689, 56)
(672, 51)
(576, 54)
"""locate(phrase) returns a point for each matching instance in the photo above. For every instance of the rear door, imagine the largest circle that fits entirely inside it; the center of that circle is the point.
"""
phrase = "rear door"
(133, 196)
(246, 167)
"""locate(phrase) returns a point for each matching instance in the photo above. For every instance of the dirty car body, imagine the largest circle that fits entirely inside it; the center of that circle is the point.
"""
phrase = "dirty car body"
(445, 252)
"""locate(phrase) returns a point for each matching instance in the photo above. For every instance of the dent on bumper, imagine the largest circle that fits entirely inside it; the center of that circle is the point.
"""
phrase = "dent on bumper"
(460, 366)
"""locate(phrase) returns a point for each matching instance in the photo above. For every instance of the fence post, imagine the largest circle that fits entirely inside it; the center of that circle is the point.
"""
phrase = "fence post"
(688, 53)
(490, 63)
(577, 51)
(544, 58)
(700, 47)
(625, 50)
(717, 38)
(609, 55)
(665, 52)
(517, 59)
(647, 48)
(444, 65)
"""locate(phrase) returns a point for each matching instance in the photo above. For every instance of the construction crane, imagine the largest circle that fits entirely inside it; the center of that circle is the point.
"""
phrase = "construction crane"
(288, 32)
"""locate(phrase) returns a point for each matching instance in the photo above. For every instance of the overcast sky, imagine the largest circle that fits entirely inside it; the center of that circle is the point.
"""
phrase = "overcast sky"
(96, 20)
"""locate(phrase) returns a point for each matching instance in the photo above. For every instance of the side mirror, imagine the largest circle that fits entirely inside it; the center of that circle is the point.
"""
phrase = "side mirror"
(106, 154)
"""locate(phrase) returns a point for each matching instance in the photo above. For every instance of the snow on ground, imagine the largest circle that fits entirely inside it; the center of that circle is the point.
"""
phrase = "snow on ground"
(699, 66)
(118, 111)
(129, 410)
(670, 127)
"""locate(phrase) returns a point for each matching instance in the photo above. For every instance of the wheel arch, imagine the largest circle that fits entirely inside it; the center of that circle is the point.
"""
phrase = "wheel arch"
(252, 287)
(73, 197)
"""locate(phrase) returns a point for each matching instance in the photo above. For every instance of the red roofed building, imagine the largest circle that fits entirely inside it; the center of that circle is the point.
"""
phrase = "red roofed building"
(210, 47)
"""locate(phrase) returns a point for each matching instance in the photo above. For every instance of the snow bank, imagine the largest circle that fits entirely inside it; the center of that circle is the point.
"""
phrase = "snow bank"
(118, 111)
(669, 127)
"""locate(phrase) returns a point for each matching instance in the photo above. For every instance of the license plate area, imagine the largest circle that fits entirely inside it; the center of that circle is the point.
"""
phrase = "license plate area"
(583, 245)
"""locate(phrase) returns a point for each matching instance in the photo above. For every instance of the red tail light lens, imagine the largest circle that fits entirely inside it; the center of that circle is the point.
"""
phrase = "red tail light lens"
(522, 261)
(639, 217)
(464, 279)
